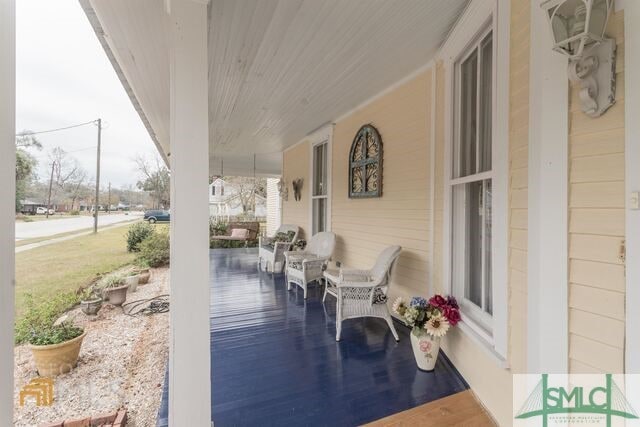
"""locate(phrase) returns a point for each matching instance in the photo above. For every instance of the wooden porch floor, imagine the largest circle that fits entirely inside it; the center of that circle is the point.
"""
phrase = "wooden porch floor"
(275, 360)
(460, 409)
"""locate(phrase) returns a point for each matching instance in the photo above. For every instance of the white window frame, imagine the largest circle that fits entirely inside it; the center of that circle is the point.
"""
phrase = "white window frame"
(472, 26)
(481, 319)
(322, 136)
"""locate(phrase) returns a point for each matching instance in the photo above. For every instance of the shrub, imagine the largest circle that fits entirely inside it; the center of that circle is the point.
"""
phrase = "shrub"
(36, 324)
(217, 227)
(136, 234)
(74, 212)
(154, 250)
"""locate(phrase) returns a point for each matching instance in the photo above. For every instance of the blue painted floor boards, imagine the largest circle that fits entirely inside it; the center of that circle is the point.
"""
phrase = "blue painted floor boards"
(275, 361)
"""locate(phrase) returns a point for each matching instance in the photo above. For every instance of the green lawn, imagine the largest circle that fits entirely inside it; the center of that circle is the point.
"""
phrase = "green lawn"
(69, 265)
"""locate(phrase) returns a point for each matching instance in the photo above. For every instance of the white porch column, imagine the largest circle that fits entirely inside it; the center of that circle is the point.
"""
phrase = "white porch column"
(189, 357)
(547, 307)
(7, 211)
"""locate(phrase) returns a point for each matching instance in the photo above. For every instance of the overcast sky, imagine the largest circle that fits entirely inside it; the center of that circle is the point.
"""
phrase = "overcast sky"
(64, 78)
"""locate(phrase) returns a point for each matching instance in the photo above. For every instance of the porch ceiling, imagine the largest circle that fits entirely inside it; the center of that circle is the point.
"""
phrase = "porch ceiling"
(278, 69)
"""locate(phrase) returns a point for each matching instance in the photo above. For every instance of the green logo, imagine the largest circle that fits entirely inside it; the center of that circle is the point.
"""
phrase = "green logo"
(606, 400)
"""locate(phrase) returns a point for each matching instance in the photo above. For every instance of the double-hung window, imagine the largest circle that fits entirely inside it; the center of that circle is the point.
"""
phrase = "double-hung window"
(320, 187)
(471, 182)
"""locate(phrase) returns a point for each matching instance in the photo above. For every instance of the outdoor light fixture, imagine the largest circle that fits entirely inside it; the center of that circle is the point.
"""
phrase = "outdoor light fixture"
(283, 190)
(578, 29)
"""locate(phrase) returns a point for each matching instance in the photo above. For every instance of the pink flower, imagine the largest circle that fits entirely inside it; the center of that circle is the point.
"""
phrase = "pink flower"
(451, 314)
(425, 346)
(452, 302)
(437, 301)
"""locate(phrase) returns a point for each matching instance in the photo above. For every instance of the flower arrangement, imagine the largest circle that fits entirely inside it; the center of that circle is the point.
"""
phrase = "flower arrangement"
(435, 316)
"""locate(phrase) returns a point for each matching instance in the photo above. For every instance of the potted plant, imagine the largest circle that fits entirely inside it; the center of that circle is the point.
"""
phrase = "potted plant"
(55, 348)
(115, 290)
(143, 273)
(90, 303)
(132, 279)
(429, 322)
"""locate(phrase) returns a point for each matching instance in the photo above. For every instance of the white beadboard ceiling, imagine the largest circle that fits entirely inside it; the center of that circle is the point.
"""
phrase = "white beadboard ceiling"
(278, 69)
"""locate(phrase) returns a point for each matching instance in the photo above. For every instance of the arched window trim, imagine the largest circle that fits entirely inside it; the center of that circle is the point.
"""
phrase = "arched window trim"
(364, 161)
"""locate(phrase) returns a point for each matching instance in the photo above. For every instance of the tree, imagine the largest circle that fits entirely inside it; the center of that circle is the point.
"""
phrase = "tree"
(25, 164)
(247, 189)
(65, 174)
(156, 179)
(77, 187)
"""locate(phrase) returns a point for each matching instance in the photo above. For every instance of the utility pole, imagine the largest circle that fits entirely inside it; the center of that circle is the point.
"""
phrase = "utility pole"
(109, 202)
(53, 166)
(95, 218)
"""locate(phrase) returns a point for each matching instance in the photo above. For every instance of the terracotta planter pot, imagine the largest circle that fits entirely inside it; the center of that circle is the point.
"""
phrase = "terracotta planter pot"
(91, 307)
(132, 282)
(56, 359)
(425, 349)
(143, 277)
(116, 296)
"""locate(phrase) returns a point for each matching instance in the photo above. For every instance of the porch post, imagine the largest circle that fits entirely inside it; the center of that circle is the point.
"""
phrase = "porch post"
(7, 211)
(189, 357)
(548, 279)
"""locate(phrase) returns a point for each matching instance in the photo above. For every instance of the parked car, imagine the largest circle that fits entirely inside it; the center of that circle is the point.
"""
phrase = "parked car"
(41, 210)
(51, 211)
(154, 216)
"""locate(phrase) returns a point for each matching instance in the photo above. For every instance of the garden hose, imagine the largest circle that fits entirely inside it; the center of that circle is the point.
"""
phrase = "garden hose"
(147, 307)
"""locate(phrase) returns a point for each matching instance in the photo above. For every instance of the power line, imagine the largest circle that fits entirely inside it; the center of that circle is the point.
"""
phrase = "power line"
(57, 129)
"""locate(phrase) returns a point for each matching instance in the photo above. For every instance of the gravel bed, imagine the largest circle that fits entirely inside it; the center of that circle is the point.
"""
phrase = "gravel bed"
(122, 365)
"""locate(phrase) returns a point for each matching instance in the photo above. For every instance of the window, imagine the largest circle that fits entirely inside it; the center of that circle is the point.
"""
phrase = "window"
(320, 187)
(213, 190)
(472, 181)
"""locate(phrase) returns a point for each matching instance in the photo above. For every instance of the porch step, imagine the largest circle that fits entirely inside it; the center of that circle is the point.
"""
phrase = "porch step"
(455, 410)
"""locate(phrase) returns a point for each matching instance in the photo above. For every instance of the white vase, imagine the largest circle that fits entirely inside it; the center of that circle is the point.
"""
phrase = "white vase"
(425, 349)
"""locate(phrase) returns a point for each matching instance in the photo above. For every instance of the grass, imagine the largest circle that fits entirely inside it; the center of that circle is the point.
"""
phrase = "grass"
(67, 266)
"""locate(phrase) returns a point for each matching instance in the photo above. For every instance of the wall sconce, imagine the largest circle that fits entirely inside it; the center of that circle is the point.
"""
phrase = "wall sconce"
(283, 190)
(578, 29)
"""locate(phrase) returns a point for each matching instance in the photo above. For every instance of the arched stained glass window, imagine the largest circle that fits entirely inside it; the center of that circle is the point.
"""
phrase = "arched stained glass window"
(365, 164)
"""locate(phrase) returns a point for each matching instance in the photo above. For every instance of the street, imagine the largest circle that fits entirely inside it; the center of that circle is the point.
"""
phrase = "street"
(30, 230)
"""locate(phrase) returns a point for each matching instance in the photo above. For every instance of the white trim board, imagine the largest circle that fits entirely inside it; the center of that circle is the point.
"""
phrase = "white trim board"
(475, 18)
(432, 185)
(632, 183)
(547, 281)
(7, 211)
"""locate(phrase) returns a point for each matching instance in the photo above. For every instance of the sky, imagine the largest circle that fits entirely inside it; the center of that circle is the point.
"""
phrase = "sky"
(64, 78)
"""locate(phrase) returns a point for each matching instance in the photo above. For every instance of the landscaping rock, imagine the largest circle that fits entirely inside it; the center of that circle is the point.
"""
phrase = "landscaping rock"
(122, 361)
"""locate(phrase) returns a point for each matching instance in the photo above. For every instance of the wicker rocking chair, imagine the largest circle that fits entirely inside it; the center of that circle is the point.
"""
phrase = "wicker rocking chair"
(363, 293)
(306, 266)
(271, 249)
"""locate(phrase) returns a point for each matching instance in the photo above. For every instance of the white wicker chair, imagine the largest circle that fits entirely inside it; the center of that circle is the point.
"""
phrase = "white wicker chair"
(307, 266)
(272, 252)
(363, 293)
